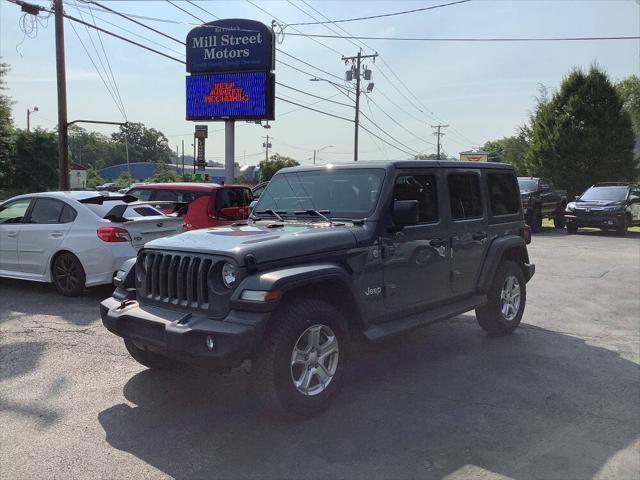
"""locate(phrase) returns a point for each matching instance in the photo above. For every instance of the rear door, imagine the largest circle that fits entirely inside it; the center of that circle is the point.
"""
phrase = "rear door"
(468, 228)
(416, 258)
(42, 233)
(12, 215)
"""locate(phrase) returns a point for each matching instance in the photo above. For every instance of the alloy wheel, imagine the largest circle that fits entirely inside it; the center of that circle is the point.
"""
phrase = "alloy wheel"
(314, 360)
(67, 273)
(510, 298)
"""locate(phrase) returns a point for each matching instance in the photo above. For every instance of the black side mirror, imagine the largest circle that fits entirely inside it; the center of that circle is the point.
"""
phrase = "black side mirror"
(405, 212)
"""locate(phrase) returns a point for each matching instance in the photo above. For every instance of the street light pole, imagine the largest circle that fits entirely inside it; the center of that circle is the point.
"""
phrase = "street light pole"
(29, 112)
(318, 151)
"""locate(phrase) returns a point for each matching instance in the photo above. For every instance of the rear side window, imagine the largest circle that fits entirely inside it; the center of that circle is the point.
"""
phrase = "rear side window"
(421, 188)
(68, 214)
(464, 196)
(46, 210)
(233, 197)
(504, 195)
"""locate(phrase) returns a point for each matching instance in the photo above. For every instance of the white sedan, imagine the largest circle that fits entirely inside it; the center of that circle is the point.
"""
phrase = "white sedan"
(75, 239)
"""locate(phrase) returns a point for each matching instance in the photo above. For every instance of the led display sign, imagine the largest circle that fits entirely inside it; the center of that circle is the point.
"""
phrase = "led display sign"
(237, 95)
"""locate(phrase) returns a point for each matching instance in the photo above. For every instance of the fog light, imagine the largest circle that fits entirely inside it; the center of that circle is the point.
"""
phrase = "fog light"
(210, 343)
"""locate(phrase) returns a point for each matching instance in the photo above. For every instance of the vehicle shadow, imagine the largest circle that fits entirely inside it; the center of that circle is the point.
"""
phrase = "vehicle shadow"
(537, 404)
(20, 297)
(592, 232)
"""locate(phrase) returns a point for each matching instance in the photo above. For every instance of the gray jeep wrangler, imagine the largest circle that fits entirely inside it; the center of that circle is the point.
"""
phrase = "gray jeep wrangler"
(329, 256)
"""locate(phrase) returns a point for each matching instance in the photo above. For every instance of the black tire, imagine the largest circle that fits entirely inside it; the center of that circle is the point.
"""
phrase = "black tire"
(491, 317)
(273, 370)
(147, 358)
(572, 229)
(623, 227)
(558, 220)
(536, 221)
(68, 275)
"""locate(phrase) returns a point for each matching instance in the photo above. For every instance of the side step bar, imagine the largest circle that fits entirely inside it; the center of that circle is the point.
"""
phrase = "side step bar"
(393, 327)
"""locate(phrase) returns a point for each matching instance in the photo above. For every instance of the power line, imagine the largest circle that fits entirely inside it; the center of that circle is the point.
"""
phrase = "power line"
(463, 39)
(382, 15)
(312, 95)
(185, 11)
(128, 17)
(206, 11)
(315, 110)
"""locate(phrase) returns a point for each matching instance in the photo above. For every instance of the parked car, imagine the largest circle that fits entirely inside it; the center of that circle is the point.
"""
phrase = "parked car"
(108, 187)
(126, 189)
(208, 204)
(360, 251)
(541, 200)
(258, 189)
(75, 239)
(608, 205)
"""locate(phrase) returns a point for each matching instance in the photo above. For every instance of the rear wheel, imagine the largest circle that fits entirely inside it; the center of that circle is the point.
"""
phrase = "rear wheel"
(300, 366)
(147, 358)
(505, 300)
(572, 229)
(68, 274)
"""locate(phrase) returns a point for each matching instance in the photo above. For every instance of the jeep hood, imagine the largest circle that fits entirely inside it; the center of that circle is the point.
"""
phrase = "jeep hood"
(264, 240)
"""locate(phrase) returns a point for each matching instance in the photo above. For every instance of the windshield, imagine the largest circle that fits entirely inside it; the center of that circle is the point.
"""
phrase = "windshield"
(343, 193)
(527, 184)
(611, 194)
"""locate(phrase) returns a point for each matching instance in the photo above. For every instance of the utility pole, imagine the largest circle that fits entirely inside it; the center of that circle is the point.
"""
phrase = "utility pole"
(357, 73)
(183, 159)
(63, 138)
(266, 146)
(439, 134)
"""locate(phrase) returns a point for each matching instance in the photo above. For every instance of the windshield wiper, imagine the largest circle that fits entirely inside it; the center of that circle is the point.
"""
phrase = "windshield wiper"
(319, 213)
(272, 212)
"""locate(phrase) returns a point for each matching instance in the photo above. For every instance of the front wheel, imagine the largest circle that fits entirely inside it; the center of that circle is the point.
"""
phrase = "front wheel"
(68, 275)
(300, 365)
(505, 300)
(623, 227)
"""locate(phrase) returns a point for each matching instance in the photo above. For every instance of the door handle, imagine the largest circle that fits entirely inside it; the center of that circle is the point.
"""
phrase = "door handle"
(479, 235)
(438, 242)
(12, 234)
(56, 234)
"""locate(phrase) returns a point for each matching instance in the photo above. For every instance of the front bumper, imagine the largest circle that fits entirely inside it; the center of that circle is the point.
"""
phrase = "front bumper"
(183, 335)
(597, 221)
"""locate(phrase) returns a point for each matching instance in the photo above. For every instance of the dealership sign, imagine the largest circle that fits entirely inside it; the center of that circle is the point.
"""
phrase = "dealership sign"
(230, 45)
(231, 63)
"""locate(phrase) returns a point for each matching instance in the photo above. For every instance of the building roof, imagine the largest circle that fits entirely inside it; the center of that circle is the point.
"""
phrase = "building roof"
(76, 166)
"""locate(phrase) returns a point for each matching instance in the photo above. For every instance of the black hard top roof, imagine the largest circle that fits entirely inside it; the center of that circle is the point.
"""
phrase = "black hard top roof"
(400, 164)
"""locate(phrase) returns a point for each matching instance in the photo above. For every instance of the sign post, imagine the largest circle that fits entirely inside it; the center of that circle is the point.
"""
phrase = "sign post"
(231, 65)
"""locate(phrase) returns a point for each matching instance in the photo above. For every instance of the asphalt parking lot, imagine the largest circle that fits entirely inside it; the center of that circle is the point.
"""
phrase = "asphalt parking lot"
(559, 399)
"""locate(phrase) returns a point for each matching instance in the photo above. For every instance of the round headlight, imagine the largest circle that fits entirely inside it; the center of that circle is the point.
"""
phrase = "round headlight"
(229, 274)
(571, 206)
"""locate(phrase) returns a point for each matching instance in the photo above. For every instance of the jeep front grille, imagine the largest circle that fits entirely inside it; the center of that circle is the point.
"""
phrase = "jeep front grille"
(175, 278)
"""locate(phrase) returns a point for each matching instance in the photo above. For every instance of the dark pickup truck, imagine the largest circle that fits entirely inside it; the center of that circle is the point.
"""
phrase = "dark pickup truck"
(540, 200)
(330, 255)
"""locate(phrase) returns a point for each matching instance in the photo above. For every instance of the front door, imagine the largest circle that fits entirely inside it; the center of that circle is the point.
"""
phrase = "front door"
(416, 258)
(45, 228)
(11, 217)
(469, 234)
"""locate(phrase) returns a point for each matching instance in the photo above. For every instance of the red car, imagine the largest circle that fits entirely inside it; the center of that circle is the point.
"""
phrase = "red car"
(209, 204)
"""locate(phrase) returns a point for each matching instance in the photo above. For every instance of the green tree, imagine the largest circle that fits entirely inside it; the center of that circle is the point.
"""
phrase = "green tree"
(511, 150)
(144, 144)
(581, 135)
(124, 179)
(92, 149)
(93, 179)
(6, 134)
(164, 174)
(34, 164)
(430, 156)
(629, 92)
(268, 168)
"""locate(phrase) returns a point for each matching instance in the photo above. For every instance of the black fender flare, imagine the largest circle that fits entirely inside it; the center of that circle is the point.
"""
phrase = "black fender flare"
(286, 279)
(494, 255)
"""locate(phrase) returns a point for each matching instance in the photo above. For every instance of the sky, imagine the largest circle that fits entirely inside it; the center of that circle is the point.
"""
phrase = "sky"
(484, 91)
